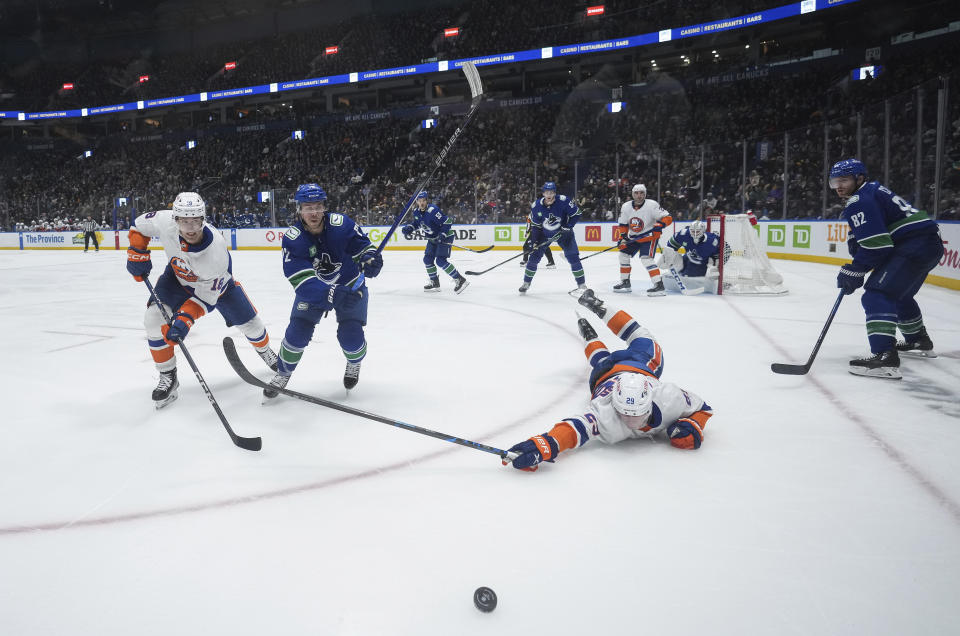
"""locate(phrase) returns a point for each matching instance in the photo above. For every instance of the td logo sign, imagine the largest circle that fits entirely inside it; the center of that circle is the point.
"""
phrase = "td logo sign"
(801, 236)
(776, 235)
(502, 233)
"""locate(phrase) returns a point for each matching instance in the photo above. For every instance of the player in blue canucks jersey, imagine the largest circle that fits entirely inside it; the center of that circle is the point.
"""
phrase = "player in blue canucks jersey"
(437, 227)
(698, 260)
(552, 218)
(326, 258)
(897, 246)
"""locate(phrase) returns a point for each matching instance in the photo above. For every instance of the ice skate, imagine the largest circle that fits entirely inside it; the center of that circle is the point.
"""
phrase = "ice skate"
(351, 375)
(462, 283)
(885, 364)
(623, 287)
(657, 290)
(432, 286)
(268, 356)
(587, 332)
(166, 391)
(279, 381)
(589, 300)
(551, 266)
(922, 348)
(523, 288)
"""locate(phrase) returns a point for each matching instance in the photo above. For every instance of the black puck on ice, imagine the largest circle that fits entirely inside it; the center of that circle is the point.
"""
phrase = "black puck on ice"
(485, 599)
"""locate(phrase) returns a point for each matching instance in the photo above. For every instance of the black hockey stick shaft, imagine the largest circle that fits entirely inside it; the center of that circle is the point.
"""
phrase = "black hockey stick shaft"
(476, 90)
(616, 245)
(246, 443)
(230, 349)
(514, 257)
(470, 249)
(801, 369)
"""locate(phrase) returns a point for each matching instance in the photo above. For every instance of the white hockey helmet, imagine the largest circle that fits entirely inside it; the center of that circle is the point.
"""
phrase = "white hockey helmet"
(697, 230)
(633, 398)
(640, 188)
(189, 205)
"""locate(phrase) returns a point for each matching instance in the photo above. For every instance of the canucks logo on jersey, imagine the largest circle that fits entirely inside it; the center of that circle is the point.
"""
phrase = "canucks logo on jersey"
(326, 269)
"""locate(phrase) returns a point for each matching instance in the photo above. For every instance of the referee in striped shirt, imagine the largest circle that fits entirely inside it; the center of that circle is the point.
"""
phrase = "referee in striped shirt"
(89, 227)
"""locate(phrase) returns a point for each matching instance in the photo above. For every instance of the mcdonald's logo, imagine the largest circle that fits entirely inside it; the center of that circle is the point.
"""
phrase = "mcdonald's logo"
(591, 233)
(617, 232)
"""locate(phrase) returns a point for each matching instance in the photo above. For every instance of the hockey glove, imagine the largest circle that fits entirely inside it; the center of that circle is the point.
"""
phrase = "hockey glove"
(533, 451)
(371, 263)
(138, 263)
(850, 278)
(178, 328)
(342, 298)
(685, 434)
(407, 232)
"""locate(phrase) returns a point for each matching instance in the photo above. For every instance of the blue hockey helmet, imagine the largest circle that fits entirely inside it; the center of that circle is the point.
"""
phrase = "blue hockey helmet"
(310, 192)
(423, 194)
(549, 185)
(846, 168)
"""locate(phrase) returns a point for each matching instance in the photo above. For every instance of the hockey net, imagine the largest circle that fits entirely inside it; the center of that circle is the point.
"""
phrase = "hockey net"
(744, 268)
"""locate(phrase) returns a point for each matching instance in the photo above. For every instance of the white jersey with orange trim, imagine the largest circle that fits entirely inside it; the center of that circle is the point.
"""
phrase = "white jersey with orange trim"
(205, 269)
(640, 220)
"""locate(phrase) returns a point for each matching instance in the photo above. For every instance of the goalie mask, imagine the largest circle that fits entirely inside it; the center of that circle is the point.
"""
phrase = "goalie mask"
(633, 399)
(697, 231)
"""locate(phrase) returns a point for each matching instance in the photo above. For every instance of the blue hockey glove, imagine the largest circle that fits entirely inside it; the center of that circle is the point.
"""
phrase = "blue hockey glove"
(371, 263)
(407, 232)
(342, 298)
(138, 263)
(178, 328)
(685, 434)
(533, 451)
(850, 278)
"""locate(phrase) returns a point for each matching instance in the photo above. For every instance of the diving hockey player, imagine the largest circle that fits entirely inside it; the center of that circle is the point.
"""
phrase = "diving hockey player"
(641, 222)
(628, 398)
(326, 257)
(898, 245)
(437, 227)
(552, 218)
(697, 264)
(198, 279)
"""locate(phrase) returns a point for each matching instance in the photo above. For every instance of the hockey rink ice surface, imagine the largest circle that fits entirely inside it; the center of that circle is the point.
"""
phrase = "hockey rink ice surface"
(821, 504)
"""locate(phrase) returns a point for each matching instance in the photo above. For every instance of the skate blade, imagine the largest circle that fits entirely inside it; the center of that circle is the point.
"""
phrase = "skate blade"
(884, 373)
(159, 404)
(622, 291)
(657, 293)
(462, 287)
(918, 354)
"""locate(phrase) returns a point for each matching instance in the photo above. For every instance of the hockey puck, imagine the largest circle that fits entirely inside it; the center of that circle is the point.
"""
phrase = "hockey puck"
(485, 599)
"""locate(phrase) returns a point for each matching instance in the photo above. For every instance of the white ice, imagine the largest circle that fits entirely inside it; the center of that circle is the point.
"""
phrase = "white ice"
(822, 504)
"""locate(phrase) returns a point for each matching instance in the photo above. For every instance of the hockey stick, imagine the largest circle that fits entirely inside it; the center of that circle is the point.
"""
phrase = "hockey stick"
(686, 291)
(230, 349)
(486, 249)
(515, 256)
(636, 239)
(476, 93)
(801, 369)
(246, 443)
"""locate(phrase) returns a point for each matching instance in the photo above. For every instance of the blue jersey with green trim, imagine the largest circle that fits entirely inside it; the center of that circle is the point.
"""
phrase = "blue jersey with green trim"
(879, 221)
(315, 262)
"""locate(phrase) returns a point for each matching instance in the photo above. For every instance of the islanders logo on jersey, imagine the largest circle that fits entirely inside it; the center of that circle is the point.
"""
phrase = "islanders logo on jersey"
(182, 269)
(327, 270)
(636, 225)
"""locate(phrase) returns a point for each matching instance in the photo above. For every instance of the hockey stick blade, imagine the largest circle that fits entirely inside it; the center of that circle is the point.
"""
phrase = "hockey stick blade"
(230, 350)
(514, 257)
(481, 251)
(789, 369)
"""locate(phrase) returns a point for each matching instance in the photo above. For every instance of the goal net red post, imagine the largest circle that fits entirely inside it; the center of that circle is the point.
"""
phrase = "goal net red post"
(744, 267)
